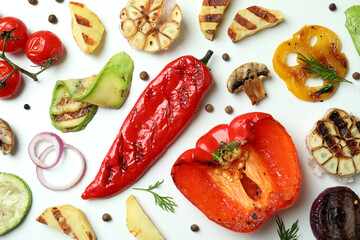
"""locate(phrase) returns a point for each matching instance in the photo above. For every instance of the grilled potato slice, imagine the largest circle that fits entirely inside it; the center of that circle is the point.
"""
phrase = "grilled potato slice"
(138, 223)
(210, 16)
(335, 143)
(146, 27)
(69, 220)
(86, 27)
(252, 20)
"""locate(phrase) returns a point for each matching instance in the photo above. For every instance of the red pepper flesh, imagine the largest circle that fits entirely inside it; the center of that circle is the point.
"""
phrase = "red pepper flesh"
(269, 181)
(161, 112)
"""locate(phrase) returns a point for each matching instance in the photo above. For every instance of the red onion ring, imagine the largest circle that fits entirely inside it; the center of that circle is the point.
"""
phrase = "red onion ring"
(47, 184)
(56, 142)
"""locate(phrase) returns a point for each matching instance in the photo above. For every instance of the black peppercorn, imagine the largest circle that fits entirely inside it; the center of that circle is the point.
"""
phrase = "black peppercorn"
(144, 76)
(33, 2)
(27, 106)
(226, 57)
(106, 217)
(209, 108)
(332, 6)
(356, 75)
(52, 18)
(229, 109)
(194, 228)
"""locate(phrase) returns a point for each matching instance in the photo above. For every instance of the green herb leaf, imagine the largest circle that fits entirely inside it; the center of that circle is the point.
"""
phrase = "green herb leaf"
(321, 71)
(166, 203)
(287, 234)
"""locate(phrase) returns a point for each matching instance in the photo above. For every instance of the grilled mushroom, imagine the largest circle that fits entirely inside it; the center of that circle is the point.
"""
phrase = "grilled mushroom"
(6, 137)
(248, 77)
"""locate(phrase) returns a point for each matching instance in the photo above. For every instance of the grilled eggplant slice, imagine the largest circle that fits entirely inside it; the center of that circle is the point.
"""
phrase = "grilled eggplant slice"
(86, 27)
(144, 25)
(252, 20)
(69, 220)
(334, 143)
(67, 114)
(7, 138)
(210, 16)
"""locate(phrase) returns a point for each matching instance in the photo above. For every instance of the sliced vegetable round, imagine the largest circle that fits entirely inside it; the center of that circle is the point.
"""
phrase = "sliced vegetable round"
(335, 214)
(51, 186)
(55, 140)
(15, 201)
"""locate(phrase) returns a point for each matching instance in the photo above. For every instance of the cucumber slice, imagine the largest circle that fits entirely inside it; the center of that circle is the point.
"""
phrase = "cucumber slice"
(15, 201)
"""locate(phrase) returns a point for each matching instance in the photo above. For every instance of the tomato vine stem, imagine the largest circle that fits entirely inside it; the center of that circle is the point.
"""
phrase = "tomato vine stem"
(7, 35)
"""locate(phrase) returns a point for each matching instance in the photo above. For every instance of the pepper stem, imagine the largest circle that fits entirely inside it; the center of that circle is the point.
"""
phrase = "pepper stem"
(206, 58)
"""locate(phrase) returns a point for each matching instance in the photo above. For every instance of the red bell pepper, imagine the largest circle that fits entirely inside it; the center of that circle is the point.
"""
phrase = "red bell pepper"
(240, 174)
(161, 112)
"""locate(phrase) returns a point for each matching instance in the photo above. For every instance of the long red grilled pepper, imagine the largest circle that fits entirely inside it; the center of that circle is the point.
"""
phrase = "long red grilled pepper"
(161, 112)
(240, 174)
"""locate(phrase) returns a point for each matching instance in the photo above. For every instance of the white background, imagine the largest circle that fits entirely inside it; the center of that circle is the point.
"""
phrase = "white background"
(94, 141)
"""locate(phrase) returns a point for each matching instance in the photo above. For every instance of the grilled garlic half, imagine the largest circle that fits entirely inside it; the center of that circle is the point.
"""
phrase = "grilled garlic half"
(334, 143)
(146, 26)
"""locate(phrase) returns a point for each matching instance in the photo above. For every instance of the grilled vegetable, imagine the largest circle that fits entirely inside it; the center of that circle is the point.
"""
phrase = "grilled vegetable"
(109, 88)
(335, 214)
(144, 25)
(240, 174)
(69, 220)
(210, 16)
(86, 27)
(15, 201)
(138, 223)
(353, 24)
(248, 77)
(7, 138)
(252, 20)
(334, 143)
(67, 114)
(326, 50)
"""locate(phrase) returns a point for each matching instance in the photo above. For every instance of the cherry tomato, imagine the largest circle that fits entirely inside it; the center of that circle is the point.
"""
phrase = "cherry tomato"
(21, 33)
(43, 45)
(12, 83)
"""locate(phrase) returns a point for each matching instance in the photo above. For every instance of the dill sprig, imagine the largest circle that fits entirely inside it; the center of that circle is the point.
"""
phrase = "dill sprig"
(287, 234)
(321, 71)
(166, 203)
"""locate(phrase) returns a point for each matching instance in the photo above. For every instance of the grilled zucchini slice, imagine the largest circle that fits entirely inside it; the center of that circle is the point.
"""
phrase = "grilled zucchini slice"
(15, 201)
(68, 114)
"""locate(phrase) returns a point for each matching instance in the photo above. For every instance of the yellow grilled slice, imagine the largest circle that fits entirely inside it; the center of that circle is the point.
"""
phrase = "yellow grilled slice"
(252, 20)
(69, 220)
(138, 223)
(86, 27)
(210, 16)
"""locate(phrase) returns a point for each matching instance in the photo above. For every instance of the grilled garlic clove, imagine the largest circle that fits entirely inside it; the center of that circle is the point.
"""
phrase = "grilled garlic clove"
(152, 44)
(138, 40)
(7, 138)
(145, 27)
(128, 28)
(346, 167)
(176, 14)
(335, 143)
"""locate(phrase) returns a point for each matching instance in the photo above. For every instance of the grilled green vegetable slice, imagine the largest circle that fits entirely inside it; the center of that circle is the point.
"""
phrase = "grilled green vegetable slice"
(15, 201)
(68, 114)
(353, 24)
(109, 88)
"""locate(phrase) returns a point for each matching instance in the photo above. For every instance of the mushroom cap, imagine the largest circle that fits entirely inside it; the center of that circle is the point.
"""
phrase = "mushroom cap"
(6, 137)
(245, 72)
